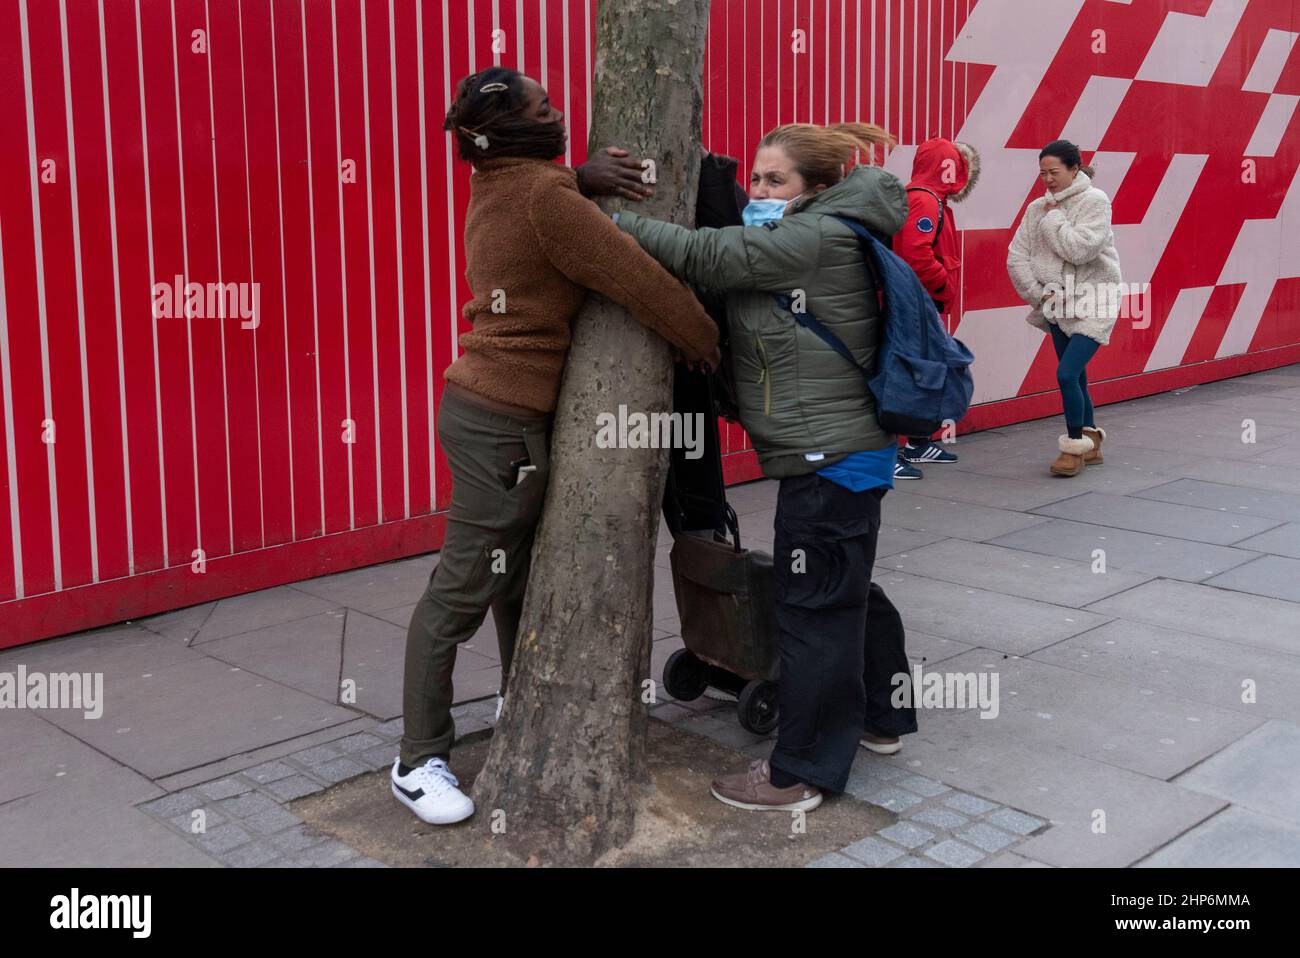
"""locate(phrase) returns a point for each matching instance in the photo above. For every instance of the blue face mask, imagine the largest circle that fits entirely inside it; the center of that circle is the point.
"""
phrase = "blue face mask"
(759, 212)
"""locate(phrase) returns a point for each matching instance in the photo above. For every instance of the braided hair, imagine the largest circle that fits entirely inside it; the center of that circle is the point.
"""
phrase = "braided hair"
(487, 119)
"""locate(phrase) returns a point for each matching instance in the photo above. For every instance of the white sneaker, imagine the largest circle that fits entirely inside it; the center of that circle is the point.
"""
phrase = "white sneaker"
(430, 790)
(501, 700)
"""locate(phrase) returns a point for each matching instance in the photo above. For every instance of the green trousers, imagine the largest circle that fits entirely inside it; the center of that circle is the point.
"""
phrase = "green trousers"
(483, 563)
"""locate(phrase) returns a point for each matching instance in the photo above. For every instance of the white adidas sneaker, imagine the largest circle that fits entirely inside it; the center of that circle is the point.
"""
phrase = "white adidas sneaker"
(431, 791)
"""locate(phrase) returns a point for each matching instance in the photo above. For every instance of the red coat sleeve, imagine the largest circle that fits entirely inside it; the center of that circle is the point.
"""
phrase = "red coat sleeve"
(914, 243)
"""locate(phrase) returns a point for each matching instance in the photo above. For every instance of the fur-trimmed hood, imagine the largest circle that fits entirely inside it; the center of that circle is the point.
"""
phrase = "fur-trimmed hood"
(972, 157)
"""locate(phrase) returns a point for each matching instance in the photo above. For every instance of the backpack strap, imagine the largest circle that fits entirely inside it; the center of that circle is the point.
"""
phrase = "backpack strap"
(937, 199)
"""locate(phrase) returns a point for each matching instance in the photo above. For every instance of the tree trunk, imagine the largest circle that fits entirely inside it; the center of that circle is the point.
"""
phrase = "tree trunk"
(567, 761)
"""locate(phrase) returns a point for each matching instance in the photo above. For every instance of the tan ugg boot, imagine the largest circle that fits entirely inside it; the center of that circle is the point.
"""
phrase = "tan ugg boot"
(1096, 434)
(1070, 461)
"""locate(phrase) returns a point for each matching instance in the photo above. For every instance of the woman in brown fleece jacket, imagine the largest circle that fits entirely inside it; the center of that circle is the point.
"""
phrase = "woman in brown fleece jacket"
(534, 246)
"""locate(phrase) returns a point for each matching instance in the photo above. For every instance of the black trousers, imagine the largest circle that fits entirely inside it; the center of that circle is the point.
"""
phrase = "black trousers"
(842, 640)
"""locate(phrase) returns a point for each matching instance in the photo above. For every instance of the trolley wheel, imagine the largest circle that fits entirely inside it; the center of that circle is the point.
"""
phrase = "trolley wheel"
(685, 676)
(756, 708)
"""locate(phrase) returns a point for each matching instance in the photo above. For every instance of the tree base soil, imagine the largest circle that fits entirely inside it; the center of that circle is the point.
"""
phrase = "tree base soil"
(679, 823)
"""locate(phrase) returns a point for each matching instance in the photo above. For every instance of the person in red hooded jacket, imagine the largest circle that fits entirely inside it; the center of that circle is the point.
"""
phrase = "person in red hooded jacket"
(942, 171)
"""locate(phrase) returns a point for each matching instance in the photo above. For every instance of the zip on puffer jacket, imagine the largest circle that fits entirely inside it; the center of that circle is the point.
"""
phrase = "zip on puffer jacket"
(1070, 250)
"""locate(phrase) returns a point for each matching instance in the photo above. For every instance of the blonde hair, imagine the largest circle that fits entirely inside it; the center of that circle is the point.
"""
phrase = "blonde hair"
(820, 153)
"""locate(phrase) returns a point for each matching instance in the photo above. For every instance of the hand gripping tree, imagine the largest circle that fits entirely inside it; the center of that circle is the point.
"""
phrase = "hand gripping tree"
(566, 765)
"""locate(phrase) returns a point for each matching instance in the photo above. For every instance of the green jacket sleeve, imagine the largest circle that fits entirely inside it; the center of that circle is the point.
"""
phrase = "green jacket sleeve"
(734, 257)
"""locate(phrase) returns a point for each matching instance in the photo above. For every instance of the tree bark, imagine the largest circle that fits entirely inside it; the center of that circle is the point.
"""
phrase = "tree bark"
(567, 764)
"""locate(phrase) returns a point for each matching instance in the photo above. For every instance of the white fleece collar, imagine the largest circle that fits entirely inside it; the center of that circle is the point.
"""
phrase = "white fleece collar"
(1081, 183)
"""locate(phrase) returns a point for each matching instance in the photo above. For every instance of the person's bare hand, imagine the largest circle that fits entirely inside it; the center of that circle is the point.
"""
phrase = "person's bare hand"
(612, 172)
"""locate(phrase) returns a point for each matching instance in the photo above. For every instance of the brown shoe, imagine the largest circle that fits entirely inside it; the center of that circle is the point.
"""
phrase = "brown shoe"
(754, 790)
(1096, 434)
(1070, 461)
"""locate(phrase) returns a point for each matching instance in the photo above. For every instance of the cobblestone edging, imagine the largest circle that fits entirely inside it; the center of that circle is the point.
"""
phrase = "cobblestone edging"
(246, 823)
(937, 826)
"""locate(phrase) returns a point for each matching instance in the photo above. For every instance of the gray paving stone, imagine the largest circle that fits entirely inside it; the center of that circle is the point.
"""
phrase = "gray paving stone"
(872, 851)
(927, 787)
(1123, 724)
(296, 838)
(290, 788)
(178, 803)
(1015, 822)
(358, 742)
(940, 818)
(946, 517)
(303, 654)
(834, 860)
(225, 788)
(911, 861)
(1158, 518)
(257, 610)
(251, 855)
(270, 772)
(1223, 497)
(985, 618)
(379, 757)
(954, 854)
(1234, 838)
(969, 804)
(1260, 772)
(338, 770)
(1203, 610)
(221, 839)
(246, 806)
(1282, 541)
(390, 729)
(273, 820)
(987, 837)
(892, 540)
(1011, 572)
(930, 649)
(185, 823)
(1193, 667)
(192, 714)
(1260, 475)
(374, 587)
(373, 650)
(1138, 551)
(316, 755)
(363, 863)
(892, 798)
(329, 853)
(1273, 576)
(1012, 860)
(907, 834)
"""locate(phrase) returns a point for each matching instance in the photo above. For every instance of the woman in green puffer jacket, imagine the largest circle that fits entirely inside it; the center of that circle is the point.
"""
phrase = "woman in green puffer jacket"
(813, 424)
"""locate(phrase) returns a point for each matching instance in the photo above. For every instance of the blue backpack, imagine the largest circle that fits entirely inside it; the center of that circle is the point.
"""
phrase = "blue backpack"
(922, 377)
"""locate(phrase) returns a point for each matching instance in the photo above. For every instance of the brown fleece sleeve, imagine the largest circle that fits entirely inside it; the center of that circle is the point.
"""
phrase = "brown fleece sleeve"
(585, 245)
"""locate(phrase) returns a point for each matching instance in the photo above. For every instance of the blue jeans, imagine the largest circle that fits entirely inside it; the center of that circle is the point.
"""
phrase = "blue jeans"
(1073, 354)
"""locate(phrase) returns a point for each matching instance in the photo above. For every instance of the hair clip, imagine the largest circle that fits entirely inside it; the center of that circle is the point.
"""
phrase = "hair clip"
(493, 87)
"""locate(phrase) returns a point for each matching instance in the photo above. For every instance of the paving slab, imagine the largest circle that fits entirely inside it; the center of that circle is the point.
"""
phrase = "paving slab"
(1158, 518)
(891, 540)
(179, 623)
(165, 723)
(1120, 723)
(1260, 772)
(982, 617)
(304, 654)
(1273, 576)
(931, 649)
(1234, 838)
(376, 587)
(1255, 682)
(1222, 497)
(995, 492)
(1136, 551)
(1260, 475)
(257, 610)
(1281, 541)
(1012, 572)
(1251, 620)
(948, 517)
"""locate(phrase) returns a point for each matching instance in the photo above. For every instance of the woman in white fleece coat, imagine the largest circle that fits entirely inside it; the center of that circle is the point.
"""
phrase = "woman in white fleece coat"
(1063, 263)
